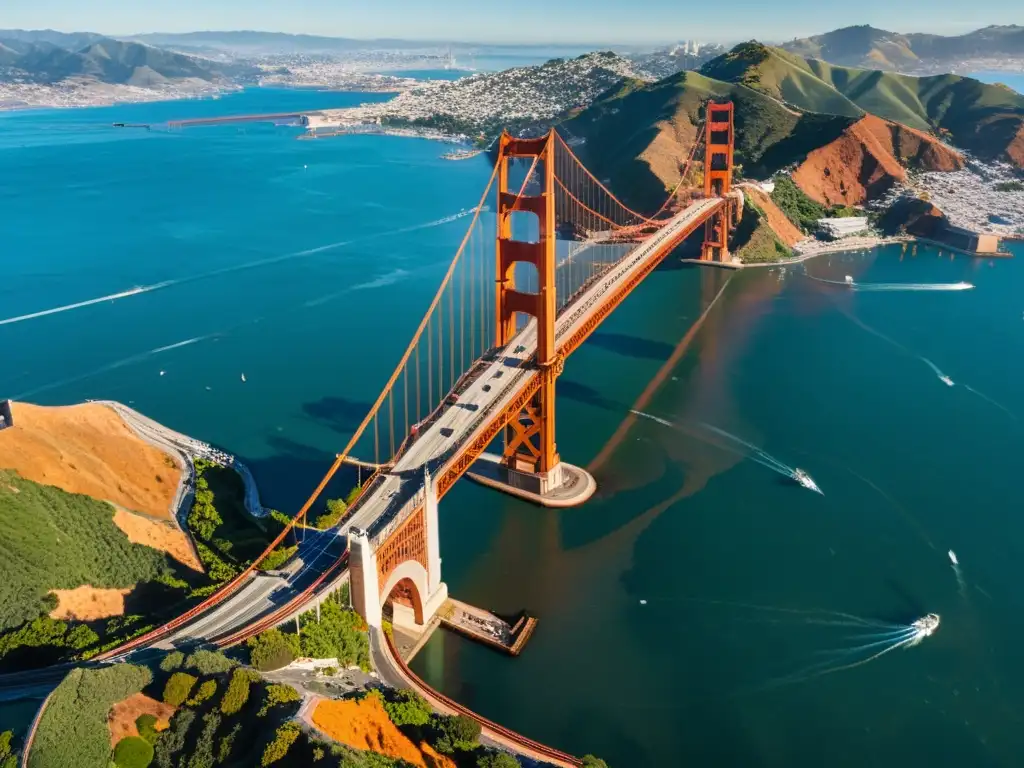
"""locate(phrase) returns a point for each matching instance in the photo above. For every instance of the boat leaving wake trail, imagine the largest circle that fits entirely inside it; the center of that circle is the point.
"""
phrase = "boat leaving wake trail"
(114, 366)
(139, 290)
(88, 302)
(849, 283)
(747, 450)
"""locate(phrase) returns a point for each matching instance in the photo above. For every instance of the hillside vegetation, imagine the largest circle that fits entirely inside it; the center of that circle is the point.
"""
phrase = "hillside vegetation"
(51, 539)
(640, 135)
(985, 119)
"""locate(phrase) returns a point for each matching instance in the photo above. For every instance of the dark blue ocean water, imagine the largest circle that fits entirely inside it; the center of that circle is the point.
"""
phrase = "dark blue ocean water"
(297, 263)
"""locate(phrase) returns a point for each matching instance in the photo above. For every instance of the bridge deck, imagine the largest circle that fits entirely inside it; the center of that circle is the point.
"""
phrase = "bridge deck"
(396, 494)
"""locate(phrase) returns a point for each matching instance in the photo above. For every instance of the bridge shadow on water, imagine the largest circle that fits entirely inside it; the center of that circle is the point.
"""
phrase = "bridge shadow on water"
(286, 477)
(628, 345)
(341, 414)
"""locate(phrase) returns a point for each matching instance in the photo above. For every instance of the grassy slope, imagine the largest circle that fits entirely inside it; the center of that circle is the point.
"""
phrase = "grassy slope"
(625, 131)
(50, 539)
(979, 117)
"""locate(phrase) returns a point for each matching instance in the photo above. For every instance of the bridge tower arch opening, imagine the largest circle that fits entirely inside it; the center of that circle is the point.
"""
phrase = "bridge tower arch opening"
(529, 439)
(719, 142)
(398, 566)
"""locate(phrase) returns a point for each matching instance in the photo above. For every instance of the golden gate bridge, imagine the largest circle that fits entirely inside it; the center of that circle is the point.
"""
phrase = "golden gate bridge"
(482, 369)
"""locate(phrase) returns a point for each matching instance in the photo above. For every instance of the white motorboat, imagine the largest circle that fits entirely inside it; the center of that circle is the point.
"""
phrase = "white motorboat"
(946, 380)
(806, 481)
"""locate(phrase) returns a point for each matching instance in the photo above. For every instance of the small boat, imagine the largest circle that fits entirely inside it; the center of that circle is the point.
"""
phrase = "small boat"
(849, 280)
(806, 481)
(946, 380)
(243, 377)
(952, 557)
(163, 373)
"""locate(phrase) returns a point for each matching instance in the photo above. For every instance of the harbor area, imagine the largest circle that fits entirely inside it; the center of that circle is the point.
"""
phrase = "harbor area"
(508, 635)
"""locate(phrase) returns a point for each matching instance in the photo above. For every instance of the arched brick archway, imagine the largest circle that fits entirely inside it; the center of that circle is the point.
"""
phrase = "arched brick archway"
(406, 586)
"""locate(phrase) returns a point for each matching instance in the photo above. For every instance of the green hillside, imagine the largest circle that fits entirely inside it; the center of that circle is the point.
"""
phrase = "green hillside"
(976, 116)
(781, 75)
(50, 539)
(638, 135)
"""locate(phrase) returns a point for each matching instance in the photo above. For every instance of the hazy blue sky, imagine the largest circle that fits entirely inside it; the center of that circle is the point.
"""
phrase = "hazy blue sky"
(480, 20)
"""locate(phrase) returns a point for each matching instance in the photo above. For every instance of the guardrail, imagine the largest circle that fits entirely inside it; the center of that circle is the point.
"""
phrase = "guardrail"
(31, 736)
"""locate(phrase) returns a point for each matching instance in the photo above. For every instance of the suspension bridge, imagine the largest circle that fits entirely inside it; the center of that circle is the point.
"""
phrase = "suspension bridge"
(480, 372)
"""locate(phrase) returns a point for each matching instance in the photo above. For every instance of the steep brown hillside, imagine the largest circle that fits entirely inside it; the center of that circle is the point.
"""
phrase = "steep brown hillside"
(867, 159)
(783, 228)
(88, 449)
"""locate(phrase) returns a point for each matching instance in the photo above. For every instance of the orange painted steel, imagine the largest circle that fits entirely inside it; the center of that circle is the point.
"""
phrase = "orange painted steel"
(408, 542)
(530, 437)
(718, 166)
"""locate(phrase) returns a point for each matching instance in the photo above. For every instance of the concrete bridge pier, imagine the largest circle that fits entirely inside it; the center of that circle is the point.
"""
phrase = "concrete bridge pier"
(404, 569)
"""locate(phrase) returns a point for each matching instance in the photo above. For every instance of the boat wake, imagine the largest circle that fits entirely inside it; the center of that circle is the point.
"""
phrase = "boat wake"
(139, 290)
(747, 450)
(990, 401)
(138, 358)
(851, 284)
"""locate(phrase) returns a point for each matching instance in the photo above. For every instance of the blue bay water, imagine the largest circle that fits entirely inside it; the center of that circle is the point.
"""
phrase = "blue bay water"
(1013, 79)
(294, 262)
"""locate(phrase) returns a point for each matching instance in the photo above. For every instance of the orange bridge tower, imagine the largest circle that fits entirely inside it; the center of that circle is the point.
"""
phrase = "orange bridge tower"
(718, 165)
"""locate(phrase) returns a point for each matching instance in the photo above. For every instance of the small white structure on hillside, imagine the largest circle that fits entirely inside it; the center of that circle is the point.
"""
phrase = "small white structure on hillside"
(837, 229)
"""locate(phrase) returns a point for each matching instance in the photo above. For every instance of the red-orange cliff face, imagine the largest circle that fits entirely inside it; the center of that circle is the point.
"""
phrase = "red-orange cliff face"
(868, 158)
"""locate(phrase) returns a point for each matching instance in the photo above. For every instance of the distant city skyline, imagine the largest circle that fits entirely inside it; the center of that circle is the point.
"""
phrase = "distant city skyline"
(643, 22)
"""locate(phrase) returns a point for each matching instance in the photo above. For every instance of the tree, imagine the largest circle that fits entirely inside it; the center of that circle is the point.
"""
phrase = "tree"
(204, 693)
(173, 740)
(209, 662)
(202, 755)
(336, 509)
(406, 707)
(237, 693)
(455, 733)
(589, 761)
(339, 633)
(133, 752)
(8, 755)
(277, 558)
(146, 725)
(283, 740)
(178, 688)
(227, 744)
(497, 759)
(172, 661)
(273, 649)
(278, 695)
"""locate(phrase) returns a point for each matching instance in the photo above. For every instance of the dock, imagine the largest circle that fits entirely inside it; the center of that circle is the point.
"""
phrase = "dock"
(509, 637)
(486, 627)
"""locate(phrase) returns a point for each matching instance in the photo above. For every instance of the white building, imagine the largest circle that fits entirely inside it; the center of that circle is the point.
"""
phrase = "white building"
(836, 229)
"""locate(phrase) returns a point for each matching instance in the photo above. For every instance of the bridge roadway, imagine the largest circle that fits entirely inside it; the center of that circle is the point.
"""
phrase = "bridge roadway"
(396, 494)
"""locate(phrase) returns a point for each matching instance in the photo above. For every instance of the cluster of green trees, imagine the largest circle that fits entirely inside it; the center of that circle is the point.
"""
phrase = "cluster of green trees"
(1010, 186)
(8, 751)
(801, 209)
(336, 633)
(336, 509)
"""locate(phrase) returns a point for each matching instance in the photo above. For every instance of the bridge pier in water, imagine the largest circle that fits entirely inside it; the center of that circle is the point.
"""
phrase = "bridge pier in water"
(530, 466)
